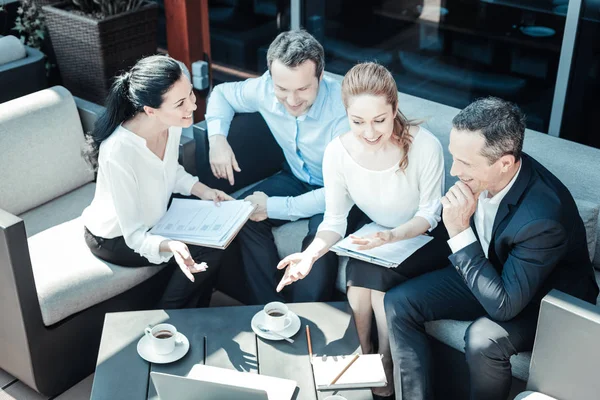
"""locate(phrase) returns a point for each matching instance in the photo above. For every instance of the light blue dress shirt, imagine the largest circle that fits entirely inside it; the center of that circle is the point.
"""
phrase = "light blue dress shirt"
(303, 139)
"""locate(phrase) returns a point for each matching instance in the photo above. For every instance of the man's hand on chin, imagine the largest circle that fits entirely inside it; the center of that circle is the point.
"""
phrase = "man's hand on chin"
(459, 205)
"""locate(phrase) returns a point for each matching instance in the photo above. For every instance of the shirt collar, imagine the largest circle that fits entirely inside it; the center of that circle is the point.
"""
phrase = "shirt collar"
(138, 140)
(500, 195)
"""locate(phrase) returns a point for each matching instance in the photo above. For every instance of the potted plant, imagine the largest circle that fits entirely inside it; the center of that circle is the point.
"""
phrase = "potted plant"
(8, 14)
(94, 40)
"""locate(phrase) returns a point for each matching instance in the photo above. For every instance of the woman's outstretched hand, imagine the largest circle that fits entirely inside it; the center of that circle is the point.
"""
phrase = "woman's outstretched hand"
(297, 266)
(184, 259)
(373, 240)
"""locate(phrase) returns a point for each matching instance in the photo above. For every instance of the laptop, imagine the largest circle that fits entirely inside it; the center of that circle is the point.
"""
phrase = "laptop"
(213, 383)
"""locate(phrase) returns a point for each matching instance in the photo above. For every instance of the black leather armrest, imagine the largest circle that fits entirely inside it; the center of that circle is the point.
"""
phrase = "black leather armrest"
(19, 301)
(88, 113)
(258, 154)
(187, 154)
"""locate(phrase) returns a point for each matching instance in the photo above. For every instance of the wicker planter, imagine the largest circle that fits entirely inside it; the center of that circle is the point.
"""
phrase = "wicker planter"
(90, 52)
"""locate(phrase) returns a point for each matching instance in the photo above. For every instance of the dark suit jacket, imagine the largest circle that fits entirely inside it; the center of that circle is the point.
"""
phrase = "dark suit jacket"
(538, 243)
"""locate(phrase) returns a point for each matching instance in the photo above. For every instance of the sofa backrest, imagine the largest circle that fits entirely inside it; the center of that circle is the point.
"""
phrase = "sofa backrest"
(576, 165)
(40, 149)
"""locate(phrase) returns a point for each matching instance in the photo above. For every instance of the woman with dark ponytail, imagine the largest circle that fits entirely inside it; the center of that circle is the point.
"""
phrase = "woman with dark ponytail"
(134, 147)
(393, 170)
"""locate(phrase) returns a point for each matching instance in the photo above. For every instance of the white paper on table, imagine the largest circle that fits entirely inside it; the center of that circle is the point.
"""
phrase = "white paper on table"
(388, 255)
(276, 388)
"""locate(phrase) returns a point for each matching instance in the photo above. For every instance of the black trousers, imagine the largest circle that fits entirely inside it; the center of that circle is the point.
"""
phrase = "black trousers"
(180, 292)
(489, 344)
(260, 257)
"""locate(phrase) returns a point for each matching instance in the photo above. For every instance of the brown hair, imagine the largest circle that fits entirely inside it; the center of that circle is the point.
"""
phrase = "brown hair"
(374, 79)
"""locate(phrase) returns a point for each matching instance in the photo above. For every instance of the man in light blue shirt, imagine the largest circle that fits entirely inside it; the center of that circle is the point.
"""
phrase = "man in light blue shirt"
(304, 112)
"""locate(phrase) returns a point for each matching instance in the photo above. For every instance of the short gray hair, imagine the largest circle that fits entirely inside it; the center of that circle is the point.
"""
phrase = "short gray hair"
(500, 122)
(292, 48)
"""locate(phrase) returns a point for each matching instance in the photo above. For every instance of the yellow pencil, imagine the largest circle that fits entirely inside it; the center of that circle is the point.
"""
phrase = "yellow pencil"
(345, 369)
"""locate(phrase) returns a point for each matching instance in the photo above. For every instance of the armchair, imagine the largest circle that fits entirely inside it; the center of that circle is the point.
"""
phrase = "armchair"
(566, 353)
(53, 292)
(21, 76)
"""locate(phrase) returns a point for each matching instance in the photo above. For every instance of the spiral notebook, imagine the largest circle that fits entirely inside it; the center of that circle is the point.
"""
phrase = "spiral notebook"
(366, 372)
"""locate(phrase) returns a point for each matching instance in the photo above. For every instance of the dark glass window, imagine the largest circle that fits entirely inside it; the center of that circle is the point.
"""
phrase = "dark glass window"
(241, 31)
(450, 51)
(580, 118)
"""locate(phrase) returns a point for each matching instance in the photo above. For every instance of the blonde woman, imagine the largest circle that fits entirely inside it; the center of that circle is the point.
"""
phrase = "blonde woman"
(393, 170)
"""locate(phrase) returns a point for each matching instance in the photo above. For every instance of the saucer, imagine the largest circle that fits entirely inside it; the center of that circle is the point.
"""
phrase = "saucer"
(259, 319)
(144, 348)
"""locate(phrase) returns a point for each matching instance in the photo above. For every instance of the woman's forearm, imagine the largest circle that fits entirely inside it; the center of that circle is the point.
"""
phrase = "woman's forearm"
(321, 244)
(414, 227)
(199, 188)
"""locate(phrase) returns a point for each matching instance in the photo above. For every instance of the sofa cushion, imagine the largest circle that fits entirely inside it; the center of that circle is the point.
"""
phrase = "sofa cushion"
(57, 211)
(11, 49)
(69, 279)
(40, 149)
(452, 333)
(288, 237)
(589, 214)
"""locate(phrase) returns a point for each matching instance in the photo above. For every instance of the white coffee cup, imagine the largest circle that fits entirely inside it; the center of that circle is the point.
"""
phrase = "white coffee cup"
(163, 338)
(277, 316)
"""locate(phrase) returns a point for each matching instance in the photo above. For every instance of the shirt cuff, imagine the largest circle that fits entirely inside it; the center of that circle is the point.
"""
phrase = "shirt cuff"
(462, 240)
(278, 208)
(432, 219)
(187, 183)
(215, 127)
(151, 250)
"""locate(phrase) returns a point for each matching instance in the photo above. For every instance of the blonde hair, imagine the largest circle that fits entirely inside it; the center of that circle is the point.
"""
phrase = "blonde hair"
(374, 79)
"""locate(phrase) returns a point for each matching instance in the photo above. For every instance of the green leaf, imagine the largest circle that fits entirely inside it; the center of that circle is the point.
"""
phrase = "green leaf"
(18, 26)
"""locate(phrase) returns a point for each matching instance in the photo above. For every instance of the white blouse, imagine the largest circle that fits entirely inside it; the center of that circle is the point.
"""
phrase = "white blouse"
(388, 197)
(133, 188)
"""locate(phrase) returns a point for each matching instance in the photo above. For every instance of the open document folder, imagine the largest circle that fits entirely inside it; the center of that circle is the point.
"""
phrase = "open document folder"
(201, 222)
(388, 255)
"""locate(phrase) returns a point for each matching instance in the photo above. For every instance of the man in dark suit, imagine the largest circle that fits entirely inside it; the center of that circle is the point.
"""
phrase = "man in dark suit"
(515, 233)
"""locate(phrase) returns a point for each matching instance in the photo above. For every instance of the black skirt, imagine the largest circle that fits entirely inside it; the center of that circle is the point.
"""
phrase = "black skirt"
(432, 256)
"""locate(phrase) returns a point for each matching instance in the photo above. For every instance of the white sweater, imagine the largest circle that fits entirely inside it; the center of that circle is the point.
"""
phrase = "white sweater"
(133, 188)
(389, 197)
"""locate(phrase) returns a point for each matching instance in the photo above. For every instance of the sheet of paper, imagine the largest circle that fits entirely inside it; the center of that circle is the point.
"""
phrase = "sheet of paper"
(394, 253)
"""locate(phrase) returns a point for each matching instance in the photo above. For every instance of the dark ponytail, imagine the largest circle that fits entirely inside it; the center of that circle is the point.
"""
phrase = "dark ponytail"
(144, 85)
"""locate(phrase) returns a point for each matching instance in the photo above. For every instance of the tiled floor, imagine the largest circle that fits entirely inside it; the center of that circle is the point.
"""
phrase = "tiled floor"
(12, 389)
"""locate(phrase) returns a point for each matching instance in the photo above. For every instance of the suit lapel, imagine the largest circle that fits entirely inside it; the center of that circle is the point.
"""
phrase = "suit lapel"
(514, 194)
